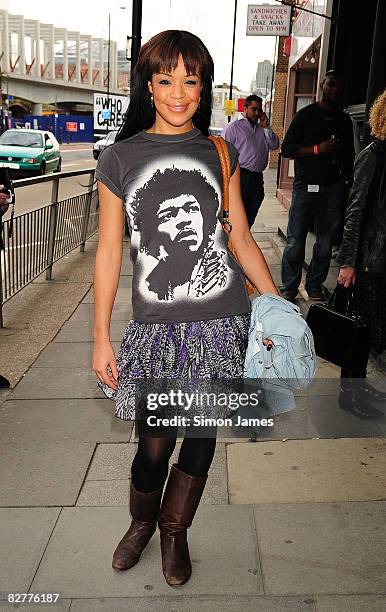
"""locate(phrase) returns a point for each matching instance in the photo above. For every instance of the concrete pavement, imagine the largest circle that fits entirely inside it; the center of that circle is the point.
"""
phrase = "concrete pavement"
(294, 522)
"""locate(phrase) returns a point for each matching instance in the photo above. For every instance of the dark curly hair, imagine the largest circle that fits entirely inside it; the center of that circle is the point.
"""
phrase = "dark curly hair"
(172, 181)
(160, 54)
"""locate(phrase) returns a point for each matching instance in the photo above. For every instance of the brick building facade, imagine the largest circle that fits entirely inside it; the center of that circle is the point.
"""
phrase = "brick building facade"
(279, 101)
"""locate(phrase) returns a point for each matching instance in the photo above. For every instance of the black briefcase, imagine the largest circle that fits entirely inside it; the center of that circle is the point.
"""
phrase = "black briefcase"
(337, 329)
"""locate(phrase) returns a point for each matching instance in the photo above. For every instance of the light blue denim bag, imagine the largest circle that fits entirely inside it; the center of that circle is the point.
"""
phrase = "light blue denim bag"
(291, 362)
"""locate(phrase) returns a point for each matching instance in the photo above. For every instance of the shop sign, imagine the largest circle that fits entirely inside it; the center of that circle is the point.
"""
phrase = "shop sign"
(265, 20)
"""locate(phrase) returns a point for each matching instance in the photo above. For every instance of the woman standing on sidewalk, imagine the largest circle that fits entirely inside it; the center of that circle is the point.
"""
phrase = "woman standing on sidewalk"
(190, 305)
(362, 257)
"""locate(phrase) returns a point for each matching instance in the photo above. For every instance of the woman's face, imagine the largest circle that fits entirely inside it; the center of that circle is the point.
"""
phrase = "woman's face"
(176, 98)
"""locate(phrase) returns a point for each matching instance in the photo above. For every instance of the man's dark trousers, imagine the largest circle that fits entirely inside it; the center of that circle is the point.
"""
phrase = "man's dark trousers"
(252, 192)
(327, 206)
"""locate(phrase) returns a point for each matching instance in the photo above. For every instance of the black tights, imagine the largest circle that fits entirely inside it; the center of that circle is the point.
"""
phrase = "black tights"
(150, 466)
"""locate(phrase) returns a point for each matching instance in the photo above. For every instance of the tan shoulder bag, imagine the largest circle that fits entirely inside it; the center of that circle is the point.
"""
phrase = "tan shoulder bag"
(225, 162)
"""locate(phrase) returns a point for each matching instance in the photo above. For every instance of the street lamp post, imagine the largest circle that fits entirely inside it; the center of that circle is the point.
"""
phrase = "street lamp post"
(233, 55)
(136, 27)
(108, 62)
(5, 123)
(122, 8)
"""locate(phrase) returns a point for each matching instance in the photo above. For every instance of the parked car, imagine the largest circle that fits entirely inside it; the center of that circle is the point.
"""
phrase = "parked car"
(104, 142)
(29, 152)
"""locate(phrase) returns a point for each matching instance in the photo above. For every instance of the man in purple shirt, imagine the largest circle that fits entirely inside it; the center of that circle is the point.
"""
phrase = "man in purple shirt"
(253, 139)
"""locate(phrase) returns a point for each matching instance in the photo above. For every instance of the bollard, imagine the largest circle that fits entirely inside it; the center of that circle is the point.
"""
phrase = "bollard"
(60, 135)
(52, 228)
(68, 136)
(87, 212)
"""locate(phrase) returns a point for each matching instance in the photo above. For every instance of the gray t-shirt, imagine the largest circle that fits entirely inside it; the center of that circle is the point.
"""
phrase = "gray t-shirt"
(171, 188)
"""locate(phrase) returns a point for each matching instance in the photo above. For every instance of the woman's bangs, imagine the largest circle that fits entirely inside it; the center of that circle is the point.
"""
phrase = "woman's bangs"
(164, 57)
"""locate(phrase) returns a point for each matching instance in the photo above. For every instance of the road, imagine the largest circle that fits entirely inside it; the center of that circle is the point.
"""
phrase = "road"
(36, 196)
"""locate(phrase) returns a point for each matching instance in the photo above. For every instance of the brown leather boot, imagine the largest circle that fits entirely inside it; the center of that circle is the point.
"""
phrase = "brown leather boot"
(180, 502)
(144, 509)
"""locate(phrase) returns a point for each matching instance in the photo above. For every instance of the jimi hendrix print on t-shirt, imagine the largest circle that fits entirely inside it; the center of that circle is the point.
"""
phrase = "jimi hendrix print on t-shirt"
(171, 188)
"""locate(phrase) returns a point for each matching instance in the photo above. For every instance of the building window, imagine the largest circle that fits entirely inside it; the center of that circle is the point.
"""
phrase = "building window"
(305, 88)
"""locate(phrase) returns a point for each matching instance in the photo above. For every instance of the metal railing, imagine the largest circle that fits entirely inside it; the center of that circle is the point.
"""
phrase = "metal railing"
(43, 236)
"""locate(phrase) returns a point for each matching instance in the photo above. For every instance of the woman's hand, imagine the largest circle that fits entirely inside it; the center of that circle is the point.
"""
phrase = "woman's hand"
(103, 359)
(347, 276)
(268, 343)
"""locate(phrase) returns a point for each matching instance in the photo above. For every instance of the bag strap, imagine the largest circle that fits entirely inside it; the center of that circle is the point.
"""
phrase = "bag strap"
(225, 162)
(348, 297)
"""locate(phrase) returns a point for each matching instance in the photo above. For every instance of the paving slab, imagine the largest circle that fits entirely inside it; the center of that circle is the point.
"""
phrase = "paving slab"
(125, 281)
(4, 395)
(58, 383)
(195, 604)
(38, 311)
(126, 261)
(295, 424)
(104, 493)
(321, 387)
(112, 463)
(351, 603)
(88, 297)
(42, 474)
(382, 426)
(85, 312)
(330, 421)
(322, 548)
(62, 605)
(73, 420)
(270, 255)
(325, 369)
(127, 266)
(276, 273)
(352, 469)
(232, 434)
(123, 296)
(222, 546)
(82, 331)
(24, 536)
(115, 492)
(68, 355)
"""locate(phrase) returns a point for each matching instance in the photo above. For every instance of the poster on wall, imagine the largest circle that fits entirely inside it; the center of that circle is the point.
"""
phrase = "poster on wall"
(109, 111)
(264, 20)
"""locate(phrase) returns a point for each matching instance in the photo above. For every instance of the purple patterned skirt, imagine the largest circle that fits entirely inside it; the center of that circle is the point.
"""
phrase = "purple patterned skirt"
(211, 350)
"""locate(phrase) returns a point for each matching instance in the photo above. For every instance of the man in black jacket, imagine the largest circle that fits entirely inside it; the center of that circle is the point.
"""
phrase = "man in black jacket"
(320, 140)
